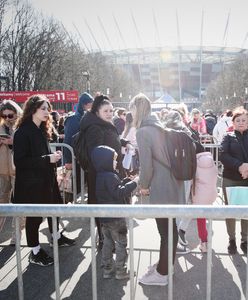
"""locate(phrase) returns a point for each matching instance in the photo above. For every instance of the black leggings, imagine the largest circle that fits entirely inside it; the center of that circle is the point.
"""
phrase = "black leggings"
(32, 229)
(163, 225)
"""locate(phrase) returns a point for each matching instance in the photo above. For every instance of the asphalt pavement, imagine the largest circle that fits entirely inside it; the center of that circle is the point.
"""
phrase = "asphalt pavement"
(189, 280)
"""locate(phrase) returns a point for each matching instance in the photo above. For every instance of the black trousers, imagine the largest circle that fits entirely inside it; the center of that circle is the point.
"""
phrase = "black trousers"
(32, 229)
(163, 226)
(91, 182)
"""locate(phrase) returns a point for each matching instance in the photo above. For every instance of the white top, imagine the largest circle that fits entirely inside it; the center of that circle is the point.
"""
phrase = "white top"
(131, 137)
(220, 129)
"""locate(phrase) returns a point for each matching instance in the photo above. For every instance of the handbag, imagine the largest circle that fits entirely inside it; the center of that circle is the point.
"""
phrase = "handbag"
(237, 195)
(64, 178)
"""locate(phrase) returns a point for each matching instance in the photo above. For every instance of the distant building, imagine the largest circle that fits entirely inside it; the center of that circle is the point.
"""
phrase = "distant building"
(182, 72)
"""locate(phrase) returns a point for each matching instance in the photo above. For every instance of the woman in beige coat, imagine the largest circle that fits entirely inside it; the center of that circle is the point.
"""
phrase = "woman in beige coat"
(9, 113)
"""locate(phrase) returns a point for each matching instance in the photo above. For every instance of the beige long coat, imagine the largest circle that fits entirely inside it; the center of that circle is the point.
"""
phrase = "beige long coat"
(6, 158)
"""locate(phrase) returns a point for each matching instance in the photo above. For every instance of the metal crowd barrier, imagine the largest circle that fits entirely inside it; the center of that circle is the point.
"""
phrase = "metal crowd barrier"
(124, 211)
(62, 146)
(214, 149)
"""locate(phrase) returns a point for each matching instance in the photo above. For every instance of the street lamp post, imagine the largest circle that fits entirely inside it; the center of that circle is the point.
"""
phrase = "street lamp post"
(86, 74)
(246, 98)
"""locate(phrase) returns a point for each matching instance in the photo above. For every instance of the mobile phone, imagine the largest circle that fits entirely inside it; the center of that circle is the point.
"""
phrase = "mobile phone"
(4, 136)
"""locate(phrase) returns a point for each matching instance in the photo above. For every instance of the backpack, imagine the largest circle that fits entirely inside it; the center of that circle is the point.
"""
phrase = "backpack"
(182, 154)
(80, 149)
(210, 123)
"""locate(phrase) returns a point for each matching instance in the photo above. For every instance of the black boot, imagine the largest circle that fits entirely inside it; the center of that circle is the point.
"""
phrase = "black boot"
(243, 246)
(232, 248)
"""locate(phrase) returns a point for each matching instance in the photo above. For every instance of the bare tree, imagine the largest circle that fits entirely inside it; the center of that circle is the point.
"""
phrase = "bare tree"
(39, 54)
(228, 89)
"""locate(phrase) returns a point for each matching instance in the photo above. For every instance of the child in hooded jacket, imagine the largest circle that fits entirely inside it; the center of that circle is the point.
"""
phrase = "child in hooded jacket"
(204, 191)
(111, 190)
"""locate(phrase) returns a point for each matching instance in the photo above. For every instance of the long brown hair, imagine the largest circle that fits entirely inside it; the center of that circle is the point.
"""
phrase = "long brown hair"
(30, 107)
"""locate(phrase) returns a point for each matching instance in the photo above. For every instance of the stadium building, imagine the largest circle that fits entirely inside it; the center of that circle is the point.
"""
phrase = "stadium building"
(174, 74)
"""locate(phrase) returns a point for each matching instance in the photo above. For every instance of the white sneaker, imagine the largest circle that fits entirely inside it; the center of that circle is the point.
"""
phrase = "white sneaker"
(203, 247)
(154, 278)
(182, 249)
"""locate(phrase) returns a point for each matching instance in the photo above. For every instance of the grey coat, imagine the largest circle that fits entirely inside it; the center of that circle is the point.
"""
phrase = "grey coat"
(164, 188)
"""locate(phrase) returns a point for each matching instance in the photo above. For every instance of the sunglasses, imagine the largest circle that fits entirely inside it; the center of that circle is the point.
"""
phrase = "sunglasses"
(9, 116)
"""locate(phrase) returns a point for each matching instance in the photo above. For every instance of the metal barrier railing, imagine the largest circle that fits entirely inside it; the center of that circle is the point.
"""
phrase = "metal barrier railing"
(124, 211)
(74, 175)
(214, 149)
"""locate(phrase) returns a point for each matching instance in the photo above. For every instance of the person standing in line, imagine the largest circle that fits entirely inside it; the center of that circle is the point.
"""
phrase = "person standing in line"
(36, 181)
(156, 180)
(98, 128)
(221, 128)
(234, 157)
(129, 134)
(10, 112)
(71, 127)
(175, 120)
(110, 189)
(197, 122)
(120, 120)
(204, 191)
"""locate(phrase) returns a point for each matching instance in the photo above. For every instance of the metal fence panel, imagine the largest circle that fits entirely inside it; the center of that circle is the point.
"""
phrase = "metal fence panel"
(126, 211)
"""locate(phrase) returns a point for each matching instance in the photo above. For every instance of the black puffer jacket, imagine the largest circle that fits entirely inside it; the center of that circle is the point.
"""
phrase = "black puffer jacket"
(99, 132)
(231, 154)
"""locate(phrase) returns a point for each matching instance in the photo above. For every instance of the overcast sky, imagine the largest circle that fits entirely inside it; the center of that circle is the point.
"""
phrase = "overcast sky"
(141, 32)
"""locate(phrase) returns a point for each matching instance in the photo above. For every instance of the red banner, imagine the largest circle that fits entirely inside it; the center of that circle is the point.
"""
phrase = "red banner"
(60, 96)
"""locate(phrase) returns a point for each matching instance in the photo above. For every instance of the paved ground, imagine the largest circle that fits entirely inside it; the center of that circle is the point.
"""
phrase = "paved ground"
(228, 272)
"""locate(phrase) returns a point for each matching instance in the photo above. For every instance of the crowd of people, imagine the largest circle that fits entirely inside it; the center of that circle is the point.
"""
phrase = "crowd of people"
(112, 136)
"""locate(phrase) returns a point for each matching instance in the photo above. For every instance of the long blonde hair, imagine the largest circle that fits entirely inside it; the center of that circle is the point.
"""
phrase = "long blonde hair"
(140, 105)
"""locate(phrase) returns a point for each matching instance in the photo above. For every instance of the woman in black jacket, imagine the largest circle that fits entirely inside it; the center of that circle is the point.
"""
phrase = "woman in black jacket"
(234, 156)
(36, 181)
(99, 129)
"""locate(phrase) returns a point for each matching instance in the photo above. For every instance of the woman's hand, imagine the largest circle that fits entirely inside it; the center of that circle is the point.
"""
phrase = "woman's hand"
(129, 147)
(68, 166)
(55, 157)
(243, 170)
(7, 141)
(244, 175)
(144, 192)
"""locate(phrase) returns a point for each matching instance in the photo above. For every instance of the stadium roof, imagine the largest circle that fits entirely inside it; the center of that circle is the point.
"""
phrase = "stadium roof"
(209, 54)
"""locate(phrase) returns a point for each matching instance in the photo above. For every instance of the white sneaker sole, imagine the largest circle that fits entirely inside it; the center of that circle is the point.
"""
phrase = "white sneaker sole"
(153, 283)
(40, 264)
